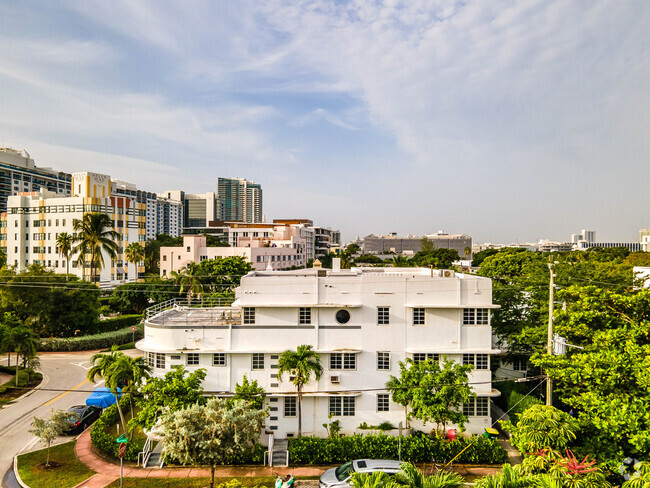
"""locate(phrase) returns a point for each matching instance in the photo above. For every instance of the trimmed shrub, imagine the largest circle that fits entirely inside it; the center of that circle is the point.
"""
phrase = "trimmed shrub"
(415, 449)
(117, 323)
(91, 342)
(104, 441)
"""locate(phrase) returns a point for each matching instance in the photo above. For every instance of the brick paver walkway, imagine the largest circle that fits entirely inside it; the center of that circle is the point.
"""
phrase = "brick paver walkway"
(109, 472)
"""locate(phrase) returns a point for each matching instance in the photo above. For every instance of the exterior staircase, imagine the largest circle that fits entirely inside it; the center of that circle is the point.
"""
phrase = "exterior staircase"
(154, 457)
(280, 454)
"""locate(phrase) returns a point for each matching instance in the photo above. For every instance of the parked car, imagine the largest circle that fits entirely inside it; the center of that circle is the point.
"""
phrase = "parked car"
(84, 415)
(340, 477)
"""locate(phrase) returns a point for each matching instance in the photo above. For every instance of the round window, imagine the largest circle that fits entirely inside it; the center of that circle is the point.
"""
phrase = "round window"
(342, 316)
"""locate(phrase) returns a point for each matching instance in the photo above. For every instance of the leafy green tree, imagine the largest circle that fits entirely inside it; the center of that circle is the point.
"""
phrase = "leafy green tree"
(352, 249)
(438, 258)
(64, 243)
(433, 392)
(607, 383)
(131, 297)
(542, 427)
(134, 253)
(223, 274)
(214, 241)
(94, 236)
(300, 364)
(177, 390)
(480, 256)
(3, 259)
(50, 428)
(250, 392)
(211, 434)
(368, 258)
(60, 309)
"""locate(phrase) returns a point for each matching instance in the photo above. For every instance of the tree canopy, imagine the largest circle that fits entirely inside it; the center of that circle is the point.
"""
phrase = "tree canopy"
(432, 391)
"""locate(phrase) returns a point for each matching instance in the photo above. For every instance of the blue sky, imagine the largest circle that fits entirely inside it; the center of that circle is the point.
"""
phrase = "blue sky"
(509, 121)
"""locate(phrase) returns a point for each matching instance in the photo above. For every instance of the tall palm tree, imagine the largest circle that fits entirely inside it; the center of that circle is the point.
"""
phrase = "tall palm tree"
(190, 280)
(64, 242)
(134, 253)
(400, 261)
(102, 367)
(300, 364)
(95, 235)
(21, 340)
(130, 373)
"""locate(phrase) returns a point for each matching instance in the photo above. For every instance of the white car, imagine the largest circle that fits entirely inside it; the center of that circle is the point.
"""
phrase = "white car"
(340, 477)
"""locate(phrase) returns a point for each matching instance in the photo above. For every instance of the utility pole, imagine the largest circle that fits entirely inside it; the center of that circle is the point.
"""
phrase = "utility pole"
(549, 345)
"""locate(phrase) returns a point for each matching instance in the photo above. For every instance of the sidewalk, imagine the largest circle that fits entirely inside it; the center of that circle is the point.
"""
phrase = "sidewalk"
(109, 472)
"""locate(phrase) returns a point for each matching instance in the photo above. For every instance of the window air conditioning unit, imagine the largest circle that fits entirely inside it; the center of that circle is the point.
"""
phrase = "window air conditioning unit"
(447, 273)
(335, 379)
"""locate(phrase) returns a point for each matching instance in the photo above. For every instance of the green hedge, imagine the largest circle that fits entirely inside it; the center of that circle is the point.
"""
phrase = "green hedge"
(104, 441)
(117, 323)
(25, 377)
(91, 342)
(415, 449)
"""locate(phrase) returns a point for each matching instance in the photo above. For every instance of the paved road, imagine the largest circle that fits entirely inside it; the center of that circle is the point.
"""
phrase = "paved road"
(61, 371)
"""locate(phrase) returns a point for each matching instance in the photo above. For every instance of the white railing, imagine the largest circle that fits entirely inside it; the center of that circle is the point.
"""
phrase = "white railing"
(210, 302)
(146, 449)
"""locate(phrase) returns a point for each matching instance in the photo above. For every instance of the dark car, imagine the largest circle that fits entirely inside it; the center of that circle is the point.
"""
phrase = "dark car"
(84, 415)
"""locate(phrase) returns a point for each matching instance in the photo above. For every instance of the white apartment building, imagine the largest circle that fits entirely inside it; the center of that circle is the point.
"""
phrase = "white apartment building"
(278, 256)
(361, 322)
(35, 219)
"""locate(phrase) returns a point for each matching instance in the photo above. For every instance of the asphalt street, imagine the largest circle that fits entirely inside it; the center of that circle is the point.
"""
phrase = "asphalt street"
(61, 372)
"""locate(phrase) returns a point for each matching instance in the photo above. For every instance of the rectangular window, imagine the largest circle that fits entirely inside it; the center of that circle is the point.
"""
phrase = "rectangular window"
(258, 361)
(192, 359)
(304, 316)
(289, 406)
(477, 407)
(520, 364)
(383, 402)
(249, 315)
(383, 315)
(418, 357)
(343, 360)
(219, 359)
(479, 361)
(476, 316)
(160, 360)
(469, 407)
(468, 316)
(383, 361)
(418, 316)
(344, 406)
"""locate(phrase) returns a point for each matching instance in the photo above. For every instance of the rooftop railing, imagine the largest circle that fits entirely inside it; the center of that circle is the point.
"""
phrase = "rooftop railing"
(199, 311)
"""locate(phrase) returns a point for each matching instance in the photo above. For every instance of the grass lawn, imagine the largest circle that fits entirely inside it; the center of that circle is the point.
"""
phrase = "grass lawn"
(70, 473)
(9, 393)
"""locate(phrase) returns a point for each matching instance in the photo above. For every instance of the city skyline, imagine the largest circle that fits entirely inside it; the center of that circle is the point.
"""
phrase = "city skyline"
(508, 122)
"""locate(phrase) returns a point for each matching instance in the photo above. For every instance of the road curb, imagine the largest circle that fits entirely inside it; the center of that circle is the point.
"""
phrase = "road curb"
(18, 478)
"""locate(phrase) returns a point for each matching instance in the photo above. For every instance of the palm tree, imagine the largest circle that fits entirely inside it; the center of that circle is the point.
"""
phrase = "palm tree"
(400, 261)
(300, 364)
(508, 478)
(64, 242)
(130, 373)
(95, 235)
(411, 477)
(102, 367)
(375, 479)
(134, 253)
(190, 280)
(21, 340)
